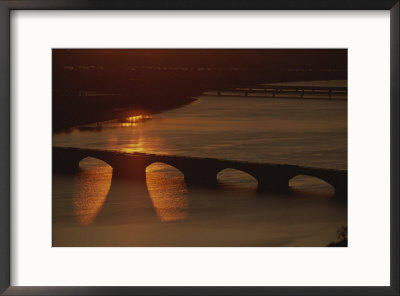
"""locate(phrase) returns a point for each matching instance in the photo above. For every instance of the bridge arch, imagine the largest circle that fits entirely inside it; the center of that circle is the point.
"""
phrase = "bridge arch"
(167, 190)
(315, 185)
(236, 178)
(92, 161)
(164, 166)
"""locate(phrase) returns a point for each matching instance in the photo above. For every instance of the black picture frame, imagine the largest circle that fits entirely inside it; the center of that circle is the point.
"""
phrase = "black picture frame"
(5, 9)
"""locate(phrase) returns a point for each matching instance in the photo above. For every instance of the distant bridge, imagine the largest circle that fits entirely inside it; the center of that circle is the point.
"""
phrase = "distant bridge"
(198, 171)
(268, 90)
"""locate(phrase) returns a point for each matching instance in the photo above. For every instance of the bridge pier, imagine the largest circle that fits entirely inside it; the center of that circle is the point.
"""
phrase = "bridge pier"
(65, 165)
(65, 162)
(133, 169)
(341, 191)
(200, 178)
(273, 184)
(339, 184)
(129, 173)
(204, 180)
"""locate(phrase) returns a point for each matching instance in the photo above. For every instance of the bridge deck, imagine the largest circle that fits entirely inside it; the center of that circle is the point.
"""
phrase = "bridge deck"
(226, 161)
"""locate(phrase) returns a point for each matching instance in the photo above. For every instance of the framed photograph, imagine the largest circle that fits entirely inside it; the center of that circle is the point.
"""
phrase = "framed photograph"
(246, 148)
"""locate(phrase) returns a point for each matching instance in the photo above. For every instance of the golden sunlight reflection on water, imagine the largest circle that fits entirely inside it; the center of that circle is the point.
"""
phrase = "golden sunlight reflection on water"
(91, 186)
(136, 143)
(134, 119)
(168, 192)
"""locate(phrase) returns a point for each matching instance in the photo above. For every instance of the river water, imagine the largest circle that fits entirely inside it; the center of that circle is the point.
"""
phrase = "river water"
(91, 208)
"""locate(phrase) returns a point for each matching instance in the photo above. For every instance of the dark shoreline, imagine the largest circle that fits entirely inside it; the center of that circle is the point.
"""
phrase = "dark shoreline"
(66, 118)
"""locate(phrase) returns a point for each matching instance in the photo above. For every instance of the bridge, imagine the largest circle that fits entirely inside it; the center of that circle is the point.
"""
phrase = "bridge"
(198, 171)
(269, 90)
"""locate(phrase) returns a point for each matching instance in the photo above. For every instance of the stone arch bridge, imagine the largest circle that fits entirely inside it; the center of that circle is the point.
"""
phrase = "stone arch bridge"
(198, 171)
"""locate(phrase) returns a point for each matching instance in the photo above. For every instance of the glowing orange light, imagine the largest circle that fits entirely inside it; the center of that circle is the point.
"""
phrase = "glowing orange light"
(91, 188)
(168, 192)
(137, 118)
